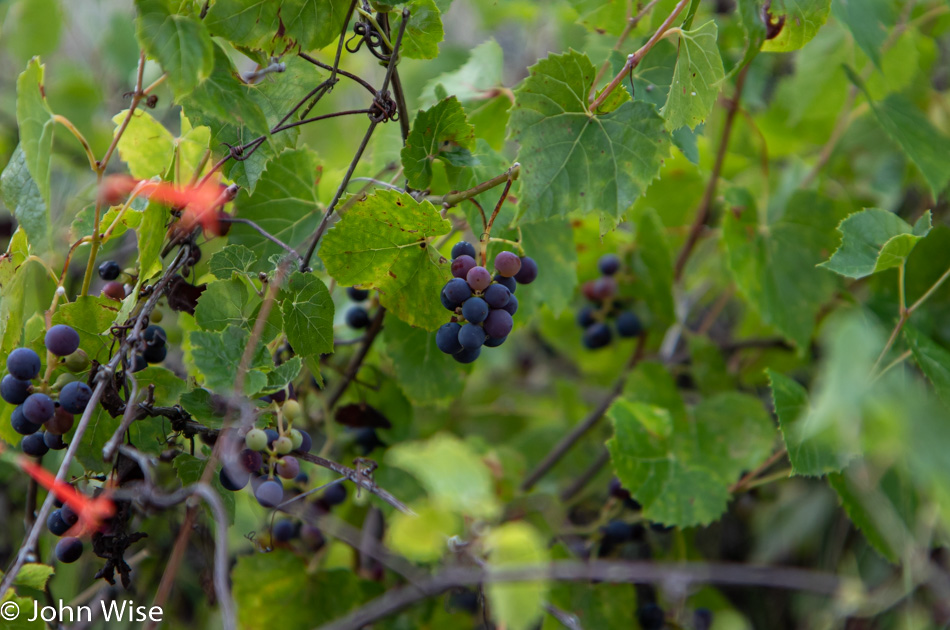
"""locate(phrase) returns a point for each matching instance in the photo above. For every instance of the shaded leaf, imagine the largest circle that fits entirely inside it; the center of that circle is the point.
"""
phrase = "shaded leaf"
(875, 240)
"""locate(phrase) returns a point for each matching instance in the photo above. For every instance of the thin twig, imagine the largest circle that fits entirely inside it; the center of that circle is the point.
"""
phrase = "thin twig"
(273, 239)
(631, 24)
(359, 478)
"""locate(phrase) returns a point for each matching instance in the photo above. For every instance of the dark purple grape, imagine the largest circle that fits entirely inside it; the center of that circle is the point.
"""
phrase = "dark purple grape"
(507, 264)
(478, 278)
(494, 342)
(114, 290)
(138, 363)
(251, 461)
(269, 494)
(53, 441)
(23, 364)
(475, 310)
(529, 271)
(272, 436)
(467, 355)
(651, 617)
(367, 439)
(62, 340)
(446, 303)
(447, 338)
(69, 549)
(497, 295)
(512, 305)
(109, 270)
(155, 336)
(585, 316)
(34, 445)
(471, 336)
(357, 317)
(617, 532)
(462, 265)
(609, 264)
(307, 443)
(288, 467)
(356, 294)
(20, 424)
(284, 530)
(498, 323)
(628, 324)
(596, 336)
(155, 354)
(702, 619)
(463, 248)
(69, 515)
(334, 495)
(509, 283)
(312, 537)
(234, 480)
(74, 397)
(38, 408)
(603, 289)
(13, 390)
(55, 523)
(455, 292)
(465, 600)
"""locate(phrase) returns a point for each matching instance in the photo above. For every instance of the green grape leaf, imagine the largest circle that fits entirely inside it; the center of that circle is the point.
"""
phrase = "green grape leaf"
(439, 133)
(12, 280)
(775, 265)
(424, 31)
(32, 28)
(869, 21)
(750, 14)
(933, 360)
(199, 403)
(602, 16)
(168, 386)
(550, 244)
(35, 121)
(475, 80)
(572, 159)
(424, 373)
(791, 407)
(277, 25)
(284, 203)
(146, 146)
(680, 467)
(23, 198)
(308, 315)
(517, 606)
(696, 79)
(910, 129)
(151, 236)
(230, 260)
(34, 575)
(283, 374)
(218, 355)
(653, 266)
(226, 303)
(82, 225)
(874, 240)
(453, 475)
(91, 317)
(421, 537)
(190, 469)
(180, 43)
(383, 242)
(803, 18)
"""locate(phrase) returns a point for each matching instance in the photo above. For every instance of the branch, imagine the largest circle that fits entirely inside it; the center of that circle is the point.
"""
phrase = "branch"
(455, 198)
(360, 478)
(568, 441)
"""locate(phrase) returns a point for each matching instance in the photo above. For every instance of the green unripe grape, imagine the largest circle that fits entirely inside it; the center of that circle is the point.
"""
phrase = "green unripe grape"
(78, 361)
(256, 440)
(63, 380)
(296, 437)
(156, 317)
(292, 410)
(283, 445)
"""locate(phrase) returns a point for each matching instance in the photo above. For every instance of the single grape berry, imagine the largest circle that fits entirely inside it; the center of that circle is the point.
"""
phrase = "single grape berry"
(596, 336)
(609, 264)
(447, 338)
(471, 336)
(34, 445)
(455, 292)
(529, 271)
(74, 397)
(155, 336)
(334, 494)
(256, 440)
(53, 441)
(357, 294)
(38, 408)
(114, 290)
(61, 422)
(311, 537)
(284, 530)
(109, 270)
(357, 317)
(467, 355)
(288, 467)
(478, 278)
(651, 617)
(272, 436)
(283, 445)
(463, 248)
(234, 480)
(68, 549)
(494, 342)
(62, 340)
(155, 354)
(20, 423)
(475, 310)
(269, 494)
(306, 444)
(251, 461)
(702, 619)
(462, 265)
(509, 283)
(585, 316)
(76, 362)
(291, 410)
(23, 364)
(497, 295)
(55, 523)
(512, 305)
(13, 390)
(507, 264)
(602, 289)
(465, 600)
(498, 323)
(628, 324)
(69, 515)
(617, 532)
(367, 440)
(138, 363)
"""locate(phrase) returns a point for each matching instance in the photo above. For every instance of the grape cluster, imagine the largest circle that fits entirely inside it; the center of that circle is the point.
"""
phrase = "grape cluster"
(35, 409)
(357, 317)
(604, 307)
(59, 522)
(482, 304)
(275, 445)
